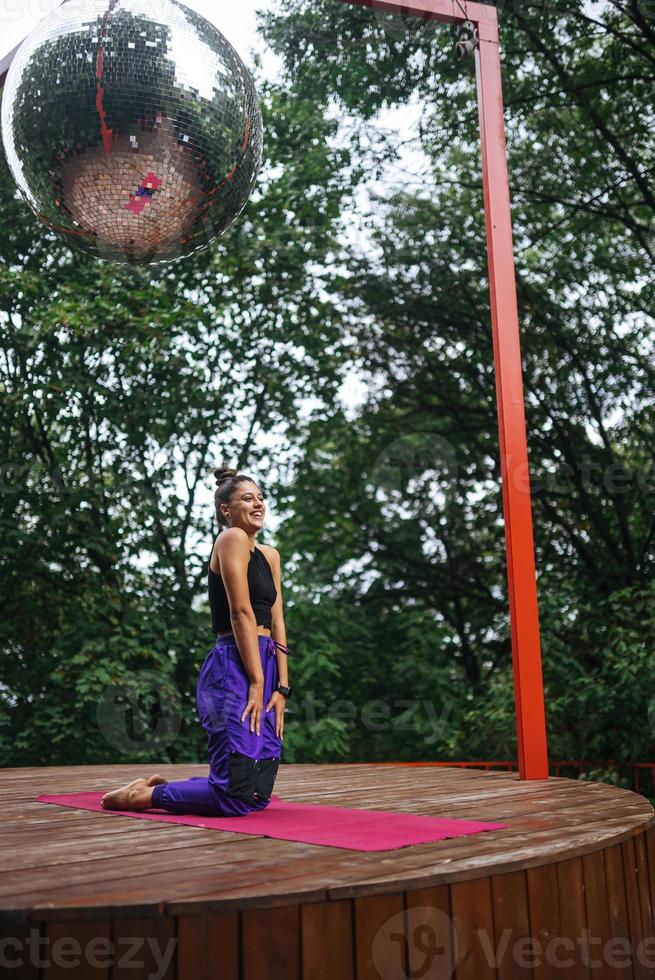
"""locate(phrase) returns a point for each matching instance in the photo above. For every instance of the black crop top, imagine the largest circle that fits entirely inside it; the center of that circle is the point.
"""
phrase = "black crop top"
(260, 586)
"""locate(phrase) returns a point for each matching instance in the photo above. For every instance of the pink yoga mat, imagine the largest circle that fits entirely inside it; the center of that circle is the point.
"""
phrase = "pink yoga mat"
(311, 823)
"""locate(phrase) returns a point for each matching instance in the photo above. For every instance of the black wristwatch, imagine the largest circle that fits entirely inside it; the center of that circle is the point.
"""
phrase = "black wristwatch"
(284, 690)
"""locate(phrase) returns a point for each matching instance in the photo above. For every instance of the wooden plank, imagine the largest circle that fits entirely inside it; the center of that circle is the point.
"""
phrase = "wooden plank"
(501, 806)
(79, 950)
(270, 947)
(598, 917)
(571, 958)
(380, 938)
(529, 851)
(509, 895)
(192, 957)
(22, 950)
(472, 916)
(155, 892)
(143, 947)
(328, 941)
(649, 838)
(643, 960)
(188, 857)
(619, 950)
(69, 852)
(511, 808)
(645, 902)
(545, 921)
(431, 937)
(68, 825)
(205, 941)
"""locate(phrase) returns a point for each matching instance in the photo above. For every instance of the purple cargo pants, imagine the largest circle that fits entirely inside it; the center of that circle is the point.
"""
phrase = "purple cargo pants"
(242, 764)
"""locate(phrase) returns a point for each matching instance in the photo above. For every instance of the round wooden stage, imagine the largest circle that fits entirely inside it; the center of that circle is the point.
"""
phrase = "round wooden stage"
(567, 890)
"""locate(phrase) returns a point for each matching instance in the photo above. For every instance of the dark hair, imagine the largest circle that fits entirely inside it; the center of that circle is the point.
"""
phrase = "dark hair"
(227, 481)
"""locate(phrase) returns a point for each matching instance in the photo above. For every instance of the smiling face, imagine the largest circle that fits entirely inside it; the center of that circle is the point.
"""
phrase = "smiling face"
(246, 508)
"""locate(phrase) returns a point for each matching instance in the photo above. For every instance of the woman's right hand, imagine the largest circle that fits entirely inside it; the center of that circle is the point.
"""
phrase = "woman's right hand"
(255, 705)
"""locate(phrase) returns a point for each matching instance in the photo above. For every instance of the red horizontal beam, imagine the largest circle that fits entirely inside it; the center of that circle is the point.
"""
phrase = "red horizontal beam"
(448, 11)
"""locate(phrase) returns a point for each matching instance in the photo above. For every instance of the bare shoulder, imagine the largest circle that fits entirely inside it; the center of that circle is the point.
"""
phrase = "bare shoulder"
(271, 553)
(233, 540)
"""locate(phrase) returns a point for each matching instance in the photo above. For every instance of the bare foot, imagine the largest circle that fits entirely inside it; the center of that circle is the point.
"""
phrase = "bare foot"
(136, 795)
(156, 781)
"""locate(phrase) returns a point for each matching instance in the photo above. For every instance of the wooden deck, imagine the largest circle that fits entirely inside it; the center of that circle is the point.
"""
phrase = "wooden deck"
(577, 859)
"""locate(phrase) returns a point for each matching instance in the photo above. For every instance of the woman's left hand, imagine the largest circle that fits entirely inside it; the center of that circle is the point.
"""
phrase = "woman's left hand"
(279, 702)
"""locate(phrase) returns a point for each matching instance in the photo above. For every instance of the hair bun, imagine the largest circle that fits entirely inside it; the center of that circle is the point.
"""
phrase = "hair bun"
(223, 473)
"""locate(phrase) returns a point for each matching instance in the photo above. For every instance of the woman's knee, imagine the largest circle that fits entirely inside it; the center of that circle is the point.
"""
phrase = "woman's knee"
(251, 779)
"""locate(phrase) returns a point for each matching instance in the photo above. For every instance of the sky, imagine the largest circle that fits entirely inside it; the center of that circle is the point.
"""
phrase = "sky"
(236, 21)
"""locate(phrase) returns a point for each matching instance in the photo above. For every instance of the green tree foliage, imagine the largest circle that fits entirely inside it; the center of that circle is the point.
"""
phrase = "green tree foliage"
(121, 390)
(577, 85)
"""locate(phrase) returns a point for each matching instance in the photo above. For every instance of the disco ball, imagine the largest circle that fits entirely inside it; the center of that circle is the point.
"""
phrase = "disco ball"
(132, 128)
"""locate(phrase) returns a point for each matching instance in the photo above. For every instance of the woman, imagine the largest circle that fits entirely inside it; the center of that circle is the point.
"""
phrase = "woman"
(245, 670)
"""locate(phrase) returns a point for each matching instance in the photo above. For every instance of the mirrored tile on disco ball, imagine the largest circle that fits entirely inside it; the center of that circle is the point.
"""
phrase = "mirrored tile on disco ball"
(133, 130)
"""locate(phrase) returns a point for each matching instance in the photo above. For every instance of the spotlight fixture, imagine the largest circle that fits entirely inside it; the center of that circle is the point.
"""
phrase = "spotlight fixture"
(467, 39)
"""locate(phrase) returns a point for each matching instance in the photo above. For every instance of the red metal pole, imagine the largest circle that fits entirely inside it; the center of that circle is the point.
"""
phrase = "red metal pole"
(524, 621)
(517, 510)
